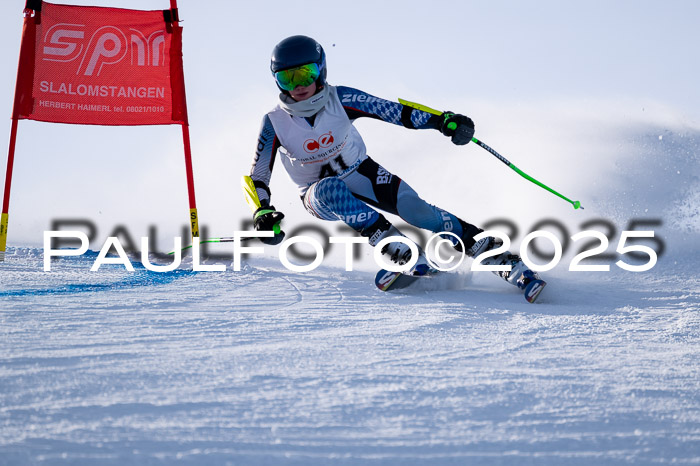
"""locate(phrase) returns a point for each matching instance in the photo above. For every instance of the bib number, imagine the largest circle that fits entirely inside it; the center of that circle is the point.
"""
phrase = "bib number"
(333, 168)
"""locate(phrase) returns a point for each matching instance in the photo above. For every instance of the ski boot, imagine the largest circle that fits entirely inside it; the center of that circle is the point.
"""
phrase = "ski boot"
(519, 275)
(483, 245)
(399, 253)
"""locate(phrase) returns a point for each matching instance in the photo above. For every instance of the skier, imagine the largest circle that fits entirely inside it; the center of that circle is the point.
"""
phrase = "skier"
(323, 153)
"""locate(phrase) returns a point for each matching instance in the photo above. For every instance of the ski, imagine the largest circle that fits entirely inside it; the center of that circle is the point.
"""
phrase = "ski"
(389, 281)
(526, 281)
(386, 280)
(533, 290)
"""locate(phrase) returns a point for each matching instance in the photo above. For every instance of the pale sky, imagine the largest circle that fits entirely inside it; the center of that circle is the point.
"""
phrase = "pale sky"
(480, 58)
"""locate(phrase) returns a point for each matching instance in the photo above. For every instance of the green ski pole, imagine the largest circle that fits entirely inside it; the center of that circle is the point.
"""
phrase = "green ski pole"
(576, 204)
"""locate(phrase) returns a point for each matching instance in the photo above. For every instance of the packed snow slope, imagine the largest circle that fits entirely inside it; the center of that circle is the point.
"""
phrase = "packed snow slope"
(265, 366)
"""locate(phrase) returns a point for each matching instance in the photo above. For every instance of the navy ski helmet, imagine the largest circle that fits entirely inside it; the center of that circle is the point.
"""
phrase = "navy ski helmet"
(294, 52)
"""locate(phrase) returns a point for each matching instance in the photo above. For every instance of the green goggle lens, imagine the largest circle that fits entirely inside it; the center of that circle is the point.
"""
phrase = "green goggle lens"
(300, 76)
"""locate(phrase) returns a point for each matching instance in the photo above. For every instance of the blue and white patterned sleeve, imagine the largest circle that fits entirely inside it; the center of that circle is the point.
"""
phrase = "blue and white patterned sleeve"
(359, 104)
(265, 154)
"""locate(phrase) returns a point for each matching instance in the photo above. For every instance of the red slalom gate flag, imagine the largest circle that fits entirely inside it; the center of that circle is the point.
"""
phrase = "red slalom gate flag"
(99, 66)
(103, 66)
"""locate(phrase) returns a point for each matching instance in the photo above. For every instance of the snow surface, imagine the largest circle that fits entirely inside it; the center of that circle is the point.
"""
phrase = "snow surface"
(266, 367)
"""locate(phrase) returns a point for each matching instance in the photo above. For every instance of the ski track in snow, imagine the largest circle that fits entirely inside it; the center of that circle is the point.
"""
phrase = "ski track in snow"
(266, 366)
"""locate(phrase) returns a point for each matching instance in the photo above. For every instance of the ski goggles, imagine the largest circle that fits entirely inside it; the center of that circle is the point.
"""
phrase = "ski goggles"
(300, 76)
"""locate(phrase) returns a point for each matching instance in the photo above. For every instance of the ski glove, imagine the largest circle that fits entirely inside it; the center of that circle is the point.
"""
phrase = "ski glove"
(267, 218)
(459, 127)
